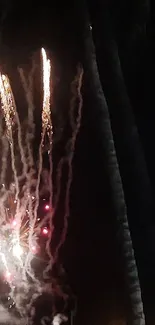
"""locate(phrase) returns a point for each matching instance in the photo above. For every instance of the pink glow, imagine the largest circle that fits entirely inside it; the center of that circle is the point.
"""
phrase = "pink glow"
(47, 207)
(45, 231)
(14, 223)
(7, 276)
(34, 249)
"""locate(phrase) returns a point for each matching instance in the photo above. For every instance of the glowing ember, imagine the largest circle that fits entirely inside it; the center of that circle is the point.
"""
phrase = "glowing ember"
(14, 223)
(17, 251)
(45, 231)
(46, 112)
(7, 104)
(47, 207)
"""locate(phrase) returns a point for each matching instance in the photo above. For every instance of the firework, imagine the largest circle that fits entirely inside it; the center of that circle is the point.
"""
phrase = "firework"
(46, 113)
(23, 231)
(7, 104)
(20, 227)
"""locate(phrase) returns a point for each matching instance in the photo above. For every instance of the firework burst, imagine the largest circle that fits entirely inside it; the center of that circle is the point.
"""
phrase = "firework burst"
(22, 228)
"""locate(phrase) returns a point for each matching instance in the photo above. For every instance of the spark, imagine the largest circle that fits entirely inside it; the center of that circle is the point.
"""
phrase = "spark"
(46, 126)
(14, 223)
(46, 112)
(47, 207)
(9, 112)
(45, 231)
(17, 251)
(7, 104)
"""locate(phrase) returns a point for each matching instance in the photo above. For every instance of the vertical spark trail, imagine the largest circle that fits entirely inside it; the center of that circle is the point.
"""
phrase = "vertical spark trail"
(76, 92)
(46, 113)
(9, 113)
(21, 148)
(46, 128)
(47, 125)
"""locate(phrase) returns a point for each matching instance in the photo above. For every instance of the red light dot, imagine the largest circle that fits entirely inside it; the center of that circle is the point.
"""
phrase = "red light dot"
(45, 231)
(47, 207)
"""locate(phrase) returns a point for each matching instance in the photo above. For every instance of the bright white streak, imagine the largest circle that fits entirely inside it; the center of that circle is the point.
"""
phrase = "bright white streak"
(46, 127)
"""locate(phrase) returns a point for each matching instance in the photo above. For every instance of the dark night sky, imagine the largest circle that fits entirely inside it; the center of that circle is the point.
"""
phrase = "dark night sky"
(92, 253)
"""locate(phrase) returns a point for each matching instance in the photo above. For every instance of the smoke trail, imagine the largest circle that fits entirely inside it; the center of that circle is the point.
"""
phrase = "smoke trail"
(28, 89)
(21, 148)
(4, 152)
(76, 93)
(4, 155)
(28, 86)
(8, 319)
